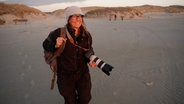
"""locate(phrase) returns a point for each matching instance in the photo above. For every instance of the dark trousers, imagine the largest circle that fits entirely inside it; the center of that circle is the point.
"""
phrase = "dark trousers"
(75, 88)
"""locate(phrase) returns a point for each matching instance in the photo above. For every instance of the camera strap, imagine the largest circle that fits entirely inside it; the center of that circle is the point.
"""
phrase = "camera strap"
(73, 43)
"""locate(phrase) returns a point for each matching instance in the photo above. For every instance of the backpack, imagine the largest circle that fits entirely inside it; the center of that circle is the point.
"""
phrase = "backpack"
(51, 58)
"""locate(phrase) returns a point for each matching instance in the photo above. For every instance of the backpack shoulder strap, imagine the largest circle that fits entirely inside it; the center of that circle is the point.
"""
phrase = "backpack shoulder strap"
(63, 32)
(61, 48)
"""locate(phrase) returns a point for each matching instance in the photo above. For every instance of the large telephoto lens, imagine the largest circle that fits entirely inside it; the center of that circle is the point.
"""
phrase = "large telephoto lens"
(106, 68)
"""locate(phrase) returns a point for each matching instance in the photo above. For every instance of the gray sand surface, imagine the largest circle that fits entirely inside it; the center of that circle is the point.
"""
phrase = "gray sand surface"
(148, 56)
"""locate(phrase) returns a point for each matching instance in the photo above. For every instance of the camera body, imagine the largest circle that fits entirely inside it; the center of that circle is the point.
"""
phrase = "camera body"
(106, 68)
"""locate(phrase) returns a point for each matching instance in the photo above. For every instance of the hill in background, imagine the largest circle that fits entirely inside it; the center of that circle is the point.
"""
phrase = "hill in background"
(167, 9)
(11, 12)
(127, 12)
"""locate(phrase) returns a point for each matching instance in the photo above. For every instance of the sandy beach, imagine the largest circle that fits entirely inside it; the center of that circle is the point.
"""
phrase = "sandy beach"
(147, 53)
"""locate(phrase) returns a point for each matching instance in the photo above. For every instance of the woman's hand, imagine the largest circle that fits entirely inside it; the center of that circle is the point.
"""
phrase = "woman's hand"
(92, 64)
(59, 41)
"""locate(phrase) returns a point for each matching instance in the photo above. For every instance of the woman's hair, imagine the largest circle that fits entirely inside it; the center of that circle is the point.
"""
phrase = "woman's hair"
(84, 25)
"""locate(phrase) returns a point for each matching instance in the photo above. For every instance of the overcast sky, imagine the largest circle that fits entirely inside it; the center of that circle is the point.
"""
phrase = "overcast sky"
(39, 2)
(50, 5)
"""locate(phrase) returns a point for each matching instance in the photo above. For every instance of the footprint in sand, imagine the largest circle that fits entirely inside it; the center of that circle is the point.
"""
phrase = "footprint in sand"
(29, 67)
(115, 93)
(22, 75)
(26, 96)
(32, 83)
(23, 62)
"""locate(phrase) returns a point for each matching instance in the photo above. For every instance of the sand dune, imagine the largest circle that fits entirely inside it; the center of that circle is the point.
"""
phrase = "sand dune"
(11, 12)
(147, 55)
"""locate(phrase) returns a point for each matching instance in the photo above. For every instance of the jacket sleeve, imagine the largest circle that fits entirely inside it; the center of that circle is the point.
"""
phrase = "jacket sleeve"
(91, 42)
(91, 51)
(49, 43)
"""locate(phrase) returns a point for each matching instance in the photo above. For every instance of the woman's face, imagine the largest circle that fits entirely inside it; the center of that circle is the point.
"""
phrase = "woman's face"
(76, 21)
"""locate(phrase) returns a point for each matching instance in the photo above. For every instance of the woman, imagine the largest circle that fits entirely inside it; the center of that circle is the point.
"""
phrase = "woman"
(73, 76)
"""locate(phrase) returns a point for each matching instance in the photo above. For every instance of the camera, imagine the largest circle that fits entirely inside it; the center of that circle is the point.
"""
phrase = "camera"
(106, 68)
